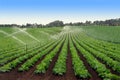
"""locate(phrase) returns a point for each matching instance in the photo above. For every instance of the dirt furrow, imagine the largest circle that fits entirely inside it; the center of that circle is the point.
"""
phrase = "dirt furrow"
(94, 75)
(49, 75)
(70, 72)
(13, 74)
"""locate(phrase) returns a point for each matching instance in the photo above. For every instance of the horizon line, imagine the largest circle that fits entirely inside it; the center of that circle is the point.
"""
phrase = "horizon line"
(56, 20)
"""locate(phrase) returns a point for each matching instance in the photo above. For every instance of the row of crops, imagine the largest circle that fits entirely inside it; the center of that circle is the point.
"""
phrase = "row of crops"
(103, 57)
(92, 56)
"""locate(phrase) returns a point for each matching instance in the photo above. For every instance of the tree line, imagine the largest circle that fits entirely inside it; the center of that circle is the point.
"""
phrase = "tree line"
(57, 23)
(110, 22)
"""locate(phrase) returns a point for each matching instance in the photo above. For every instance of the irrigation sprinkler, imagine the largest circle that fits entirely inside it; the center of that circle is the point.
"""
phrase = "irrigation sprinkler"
(26, 48)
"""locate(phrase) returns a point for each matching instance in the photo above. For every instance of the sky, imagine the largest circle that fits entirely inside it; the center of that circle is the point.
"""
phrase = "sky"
(45, 11)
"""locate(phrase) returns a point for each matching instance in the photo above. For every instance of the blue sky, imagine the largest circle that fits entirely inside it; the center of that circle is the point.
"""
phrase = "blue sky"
(45, 11)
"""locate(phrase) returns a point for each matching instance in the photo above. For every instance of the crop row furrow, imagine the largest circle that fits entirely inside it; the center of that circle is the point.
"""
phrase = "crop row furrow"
(43, 66)
(100, 68)
(60, 65)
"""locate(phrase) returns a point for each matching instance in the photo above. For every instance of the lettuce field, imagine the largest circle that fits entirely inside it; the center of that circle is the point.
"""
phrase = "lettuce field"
(60, 53)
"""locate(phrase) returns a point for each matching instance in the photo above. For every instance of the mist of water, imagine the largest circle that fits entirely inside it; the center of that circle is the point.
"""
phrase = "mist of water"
(24, 31)
(12, 37)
